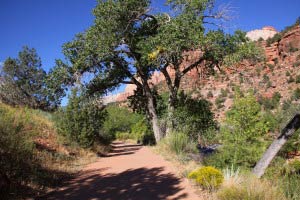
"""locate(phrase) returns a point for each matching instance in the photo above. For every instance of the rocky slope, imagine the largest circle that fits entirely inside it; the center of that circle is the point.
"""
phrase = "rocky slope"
(278, 73)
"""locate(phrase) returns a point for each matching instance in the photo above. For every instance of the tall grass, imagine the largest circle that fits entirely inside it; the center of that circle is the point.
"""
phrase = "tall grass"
(30, 154)
(180, 143)
(250, 188)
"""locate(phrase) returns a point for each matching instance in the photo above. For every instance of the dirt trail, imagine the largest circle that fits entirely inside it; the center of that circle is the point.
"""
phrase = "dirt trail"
(130, 172)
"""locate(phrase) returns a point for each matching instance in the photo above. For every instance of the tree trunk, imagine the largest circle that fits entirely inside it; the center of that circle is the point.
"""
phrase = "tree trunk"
(154, 118)
(171, 110)
(271, 152)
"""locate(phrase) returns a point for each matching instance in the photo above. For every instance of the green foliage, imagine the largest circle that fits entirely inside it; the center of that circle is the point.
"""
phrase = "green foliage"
(296, 64)
(16, 146)
(81, 120)
(224, 93)
(271, 67)
(270, 103)
(120, 119)
(193, 117)
(25, 83)
(128, 43)
(275, 38)
(242, 135)
(291, 79)
(298, 79)
(288, 28)
(207, 177)
(180, 143)
(295, 166)
(210, 94)
(296, 94)
(141, 132)
(220, 102)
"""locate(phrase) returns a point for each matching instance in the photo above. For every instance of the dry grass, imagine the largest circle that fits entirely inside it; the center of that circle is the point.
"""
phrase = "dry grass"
(52, 157)
(250, 188)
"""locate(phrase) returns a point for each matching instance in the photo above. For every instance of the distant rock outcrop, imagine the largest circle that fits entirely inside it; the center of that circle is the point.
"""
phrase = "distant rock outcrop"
(264, 33)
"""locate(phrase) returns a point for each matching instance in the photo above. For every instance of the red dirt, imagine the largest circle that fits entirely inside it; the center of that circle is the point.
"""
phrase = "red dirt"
(129, 172)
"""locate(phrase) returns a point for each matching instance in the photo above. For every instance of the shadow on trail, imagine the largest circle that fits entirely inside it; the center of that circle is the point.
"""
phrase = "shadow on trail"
(134, 184)
(119, 149)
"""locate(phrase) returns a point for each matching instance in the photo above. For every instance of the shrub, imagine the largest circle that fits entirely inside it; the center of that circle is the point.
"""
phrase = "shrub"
(193, 116)
(291, 80)
(298, 79)
(271, 67)
(81, 120)
(219, 102)
(210, 94)
(296, 64)
(207, 177)
(295, 166)
(241, 135)
(224, 93)
(270, 103)
(266, 78)
(123, 136)
(275, 38)
(16, 145)
(296, 94)
(180, 143)
(119, 119)
(142, 133)
(287, 73)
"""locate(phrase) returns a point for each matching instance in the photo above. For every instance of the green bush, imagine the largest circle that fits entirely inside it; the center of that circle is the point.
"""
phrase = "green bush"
(220, 102)
(123, 136)
(296, 64)
(16, 146)
(242, 135)
(142, 133)
(291, 80)
(119, 119)
(207, 177)
(81, 121)
(295, 166)
(270, 104)
(210, 94)
(296, 94)
(298, 79)
(193, 117)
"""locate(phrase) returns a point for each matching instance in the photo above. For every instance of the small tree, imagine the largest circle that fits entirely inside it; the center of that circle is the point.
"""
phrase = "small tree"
(24, 82)
(242, 135)
(81, 120)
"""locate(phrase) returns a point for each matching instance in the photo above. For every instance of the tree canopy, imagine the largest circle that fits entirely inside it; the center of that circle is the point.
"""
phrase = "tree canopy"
(25, 82)
(128, 42)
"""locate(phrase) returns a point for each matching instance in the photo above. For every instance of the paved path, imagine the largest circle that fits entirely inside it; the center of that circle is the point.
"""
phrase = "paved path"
(129, 172)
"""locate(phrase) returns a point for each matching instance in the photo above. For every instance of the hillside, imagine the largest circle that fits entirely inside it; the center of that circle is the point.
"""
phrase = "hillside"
(33, 157)
(277, 74)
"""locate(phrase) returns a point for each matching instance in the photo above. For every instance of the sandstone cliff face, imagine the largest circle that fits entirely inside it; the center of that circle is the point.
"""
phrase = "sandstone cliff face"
(289, 42)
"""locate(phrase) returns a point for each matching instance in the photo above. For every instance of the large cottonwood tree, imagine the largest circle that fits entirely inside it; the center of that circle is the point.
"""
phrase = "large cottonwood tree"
(128, 42)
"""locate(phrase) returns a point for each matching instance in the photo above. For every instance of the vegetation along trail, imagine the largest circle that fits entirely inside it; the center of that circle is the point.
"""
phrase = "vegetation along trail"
(128, 172)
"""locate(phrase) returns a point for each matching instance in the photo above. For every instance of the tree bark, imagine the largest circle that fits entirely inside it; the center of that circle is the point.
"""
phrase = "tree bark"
(274, 148)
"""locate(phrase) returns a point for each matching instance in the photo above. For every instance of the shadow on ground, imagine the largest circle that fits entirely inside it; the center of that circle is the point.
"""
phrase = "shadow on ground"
(133, 184)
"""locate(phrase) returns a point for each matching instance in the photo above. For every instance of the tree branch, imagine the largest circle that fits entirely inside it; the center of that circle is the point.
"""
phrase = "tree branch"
(189, 68)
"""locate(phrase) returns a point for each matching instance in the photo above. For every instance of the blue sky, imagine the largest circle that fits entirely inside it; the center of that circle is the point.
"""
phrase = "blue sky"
(47, 24)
